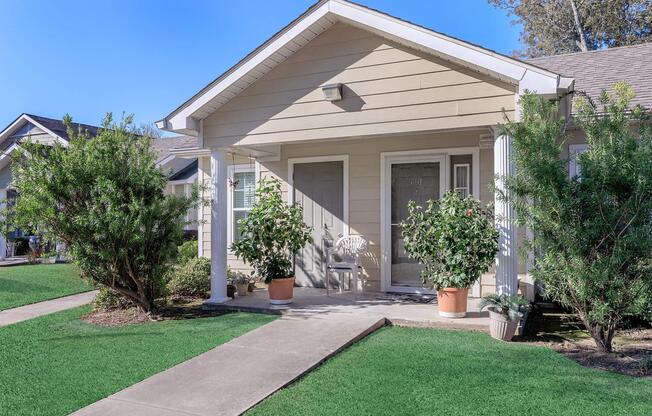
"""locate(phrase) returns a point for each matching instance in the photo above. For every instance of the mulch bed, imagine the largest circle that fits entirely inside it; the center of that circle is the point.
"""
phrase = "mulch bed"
(562, 332)
(178, 308)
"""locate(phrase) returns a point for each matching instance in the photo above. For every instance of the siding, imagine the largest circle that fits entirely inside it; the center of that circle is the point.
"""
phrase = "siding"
(388, 88)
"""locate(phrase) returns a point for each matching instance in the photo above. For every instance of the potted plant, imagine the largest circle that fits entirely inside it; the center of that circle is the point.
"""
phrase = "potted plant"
(230, 286)
(455, 241)
(252, 284)
(241, 282)
(505, 312)
(270, 236)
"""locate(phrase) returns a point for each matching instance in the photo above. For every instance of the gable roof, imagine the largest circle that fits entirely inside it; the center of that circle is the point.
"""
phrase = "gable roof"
(597, 70)
(55, 128)
(319, 18)
(163, 146)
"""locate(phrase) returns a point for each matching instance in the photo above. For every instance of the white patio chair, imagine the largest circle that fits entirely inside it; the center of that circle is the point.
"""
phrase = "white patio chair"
(349, 250)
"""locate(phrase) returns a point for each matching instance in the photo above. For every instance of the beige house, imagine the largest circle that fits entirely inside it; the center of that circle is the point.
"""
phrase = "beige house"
(358, 112)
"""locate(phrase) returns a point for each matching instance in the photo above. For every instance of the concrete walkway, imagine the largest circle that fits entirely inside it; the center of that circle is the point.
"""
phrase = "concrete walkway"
(237, 375)
(34, 310)
(234, 377)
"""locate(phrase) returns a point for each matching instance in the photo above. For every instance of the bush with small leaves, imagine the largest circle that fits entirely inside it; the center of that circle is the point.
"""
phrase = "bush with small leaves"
(191, 279)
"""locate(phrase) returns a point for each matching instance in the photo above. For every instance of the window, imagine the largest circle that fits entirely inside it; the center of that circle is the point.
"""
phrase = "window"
(462, 178)
(574, 167)
(242, 187)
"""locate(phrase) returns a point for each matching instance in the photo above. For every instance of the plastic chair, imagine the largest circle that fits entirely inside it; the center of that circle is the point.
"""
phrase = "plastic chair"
(349, 249)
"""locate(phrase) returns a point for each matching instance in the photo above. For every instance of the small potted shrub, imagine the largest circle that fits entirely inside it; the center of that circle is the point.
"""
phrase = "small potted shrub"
(505, 312)
(455, 241)
(241, 282)
(230, 283)
(270, 236)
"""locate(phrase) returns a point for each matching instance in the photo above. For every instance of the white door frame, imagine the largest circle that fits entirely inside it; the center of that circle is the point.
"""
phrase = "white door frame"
(416, 156)
(345, 186)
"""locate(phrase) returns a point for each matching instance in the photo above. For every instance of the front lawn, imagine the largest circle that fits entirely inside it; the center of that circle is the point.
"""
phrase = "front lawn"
(21, 285)
(405, 371)
(56, 364)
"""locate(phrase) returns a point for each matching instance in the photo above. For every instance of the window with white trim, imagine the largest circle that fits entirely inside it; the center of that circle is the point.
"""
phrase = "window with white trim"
(242, 186)
(462, 178)
(574, 150)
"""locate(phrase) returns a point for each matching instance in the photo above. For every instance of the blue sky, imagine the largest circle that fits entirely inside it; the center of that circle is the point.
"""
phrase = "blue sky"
(147, 57)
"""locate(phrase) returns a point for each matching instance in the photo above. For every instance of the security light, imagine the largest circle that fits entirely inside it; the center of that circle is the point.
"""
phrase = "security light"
(332, 92)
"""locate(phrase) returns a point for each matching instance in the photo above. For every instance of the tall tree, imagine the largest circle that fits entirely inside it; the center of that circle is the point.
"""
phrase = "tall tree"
(592, 233)
(552, 27)
(105, 199)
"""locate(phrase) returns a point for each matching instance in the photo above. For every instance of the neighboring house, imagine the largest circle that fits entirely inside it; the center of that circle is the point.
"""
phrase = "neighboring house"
(182, 172)
(48, 131)
(358, 112)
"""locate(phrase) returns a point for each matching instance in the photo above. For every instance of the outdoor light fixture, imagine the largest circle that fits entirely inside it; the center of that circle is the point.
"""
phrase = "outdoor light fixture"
(332, 92)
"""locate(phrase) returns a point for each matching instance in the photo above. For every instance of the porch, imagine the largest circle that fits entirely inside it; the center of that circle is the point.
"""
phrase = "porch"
(398, 310)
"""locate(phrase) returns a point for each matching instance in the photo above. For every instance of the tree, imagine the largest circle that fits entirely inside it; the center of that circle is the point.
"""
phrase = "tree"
(592, 234)
(552, 27)
(104, 198)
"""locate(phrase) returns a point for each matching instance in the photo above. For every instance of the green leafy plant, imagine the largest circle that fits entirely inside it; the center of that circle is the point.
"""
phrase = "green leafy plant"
(272, 233)
(592, 234)
(453, 238)
(104, 198)
(240, 278)
(108, 299)
(187, 251)
(511, 306)
(192, 278)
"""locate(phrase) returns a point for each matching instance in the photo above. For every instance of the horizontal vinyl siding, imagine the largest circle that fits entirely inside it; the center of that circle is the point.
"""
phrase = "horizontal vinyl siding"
(387, 89)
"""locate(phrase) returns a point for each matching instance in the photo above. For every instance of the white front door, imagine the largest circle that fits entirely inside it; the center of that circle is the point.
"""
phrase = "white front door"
(406, 178)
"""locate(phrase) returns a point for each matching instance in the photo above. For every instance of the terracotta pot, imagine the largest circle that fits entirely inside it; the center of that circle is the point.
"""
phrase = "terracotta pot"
(230, 291)
(281, 291)
(500, 328)
(452, 302)
(251, 287)
(242, 288)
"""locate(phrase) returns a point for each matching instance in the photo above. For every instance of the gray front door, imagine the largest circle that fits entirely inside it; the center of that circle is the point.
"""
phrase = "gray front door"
(319, 188)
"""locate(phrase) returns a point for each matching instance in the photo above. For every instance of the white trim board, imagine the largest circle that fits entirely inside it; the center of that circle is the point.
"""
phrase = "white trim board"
(426, 155)
(187, 118)
(345, 186)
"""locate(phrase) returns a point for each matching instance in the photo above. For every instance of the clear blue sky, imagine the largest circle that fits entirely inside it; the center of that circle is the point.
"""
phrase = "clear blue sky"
(147, 57)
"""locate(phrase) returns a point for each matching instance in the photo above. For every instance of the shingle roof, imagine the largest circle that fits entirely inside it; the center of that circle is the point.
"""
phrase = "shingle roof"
(186, 172)
(58, 128)
(163, 145)
(597, 70)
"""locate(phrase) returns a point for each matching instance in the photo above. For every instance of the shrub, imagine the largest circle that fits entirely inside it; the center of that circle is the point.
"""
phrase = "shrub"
(108, 299)
(592, 233)
(105, 199)
(187, 251)
(272, 233)
(454, 239)
(191, 279)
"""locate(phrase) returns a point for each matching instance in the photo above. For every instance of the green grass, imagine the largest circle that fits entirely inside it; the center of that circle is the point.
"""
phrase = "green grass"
(56, 364)
(403, 371)
(21, 285)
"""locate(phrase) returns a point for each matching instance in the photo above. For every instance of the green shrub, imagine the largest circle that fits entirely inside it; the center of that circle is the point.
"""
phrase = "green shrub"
(453, 238)
(108, 299)
(187, 251)
(191, 279)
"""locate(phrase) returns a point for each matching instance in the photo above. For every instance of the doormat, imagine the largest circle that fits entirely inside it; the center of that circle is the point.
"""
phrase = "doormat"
(409, 297)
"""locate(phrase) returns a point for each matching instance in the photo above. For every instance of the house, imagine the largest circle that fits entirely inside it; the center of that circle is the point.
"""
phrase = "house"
(182, 172)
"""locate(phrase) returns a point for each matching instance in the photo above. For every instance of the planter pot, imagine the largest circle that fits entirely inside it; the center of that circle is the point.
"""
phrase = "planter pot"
(281, 291)
(452, 302)
(251, 287)
(500, 328)
(230, 291)
(242, 288)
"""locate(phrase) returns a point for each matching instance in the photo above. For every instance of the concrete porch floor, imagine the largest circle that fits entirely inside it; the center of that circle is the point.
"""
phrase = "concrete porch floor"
(312, 301)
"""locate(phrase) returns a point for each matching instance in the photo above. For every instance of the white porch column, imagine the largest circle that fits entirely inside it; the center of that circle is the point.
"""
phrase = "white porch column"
(218, 227)
(3, 241)
(507, 259)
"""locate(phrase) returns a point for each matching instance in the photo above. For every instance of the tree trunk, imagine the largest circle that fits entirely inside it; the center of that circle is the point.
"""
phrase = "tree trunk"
(578, 27)
(602, 336)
